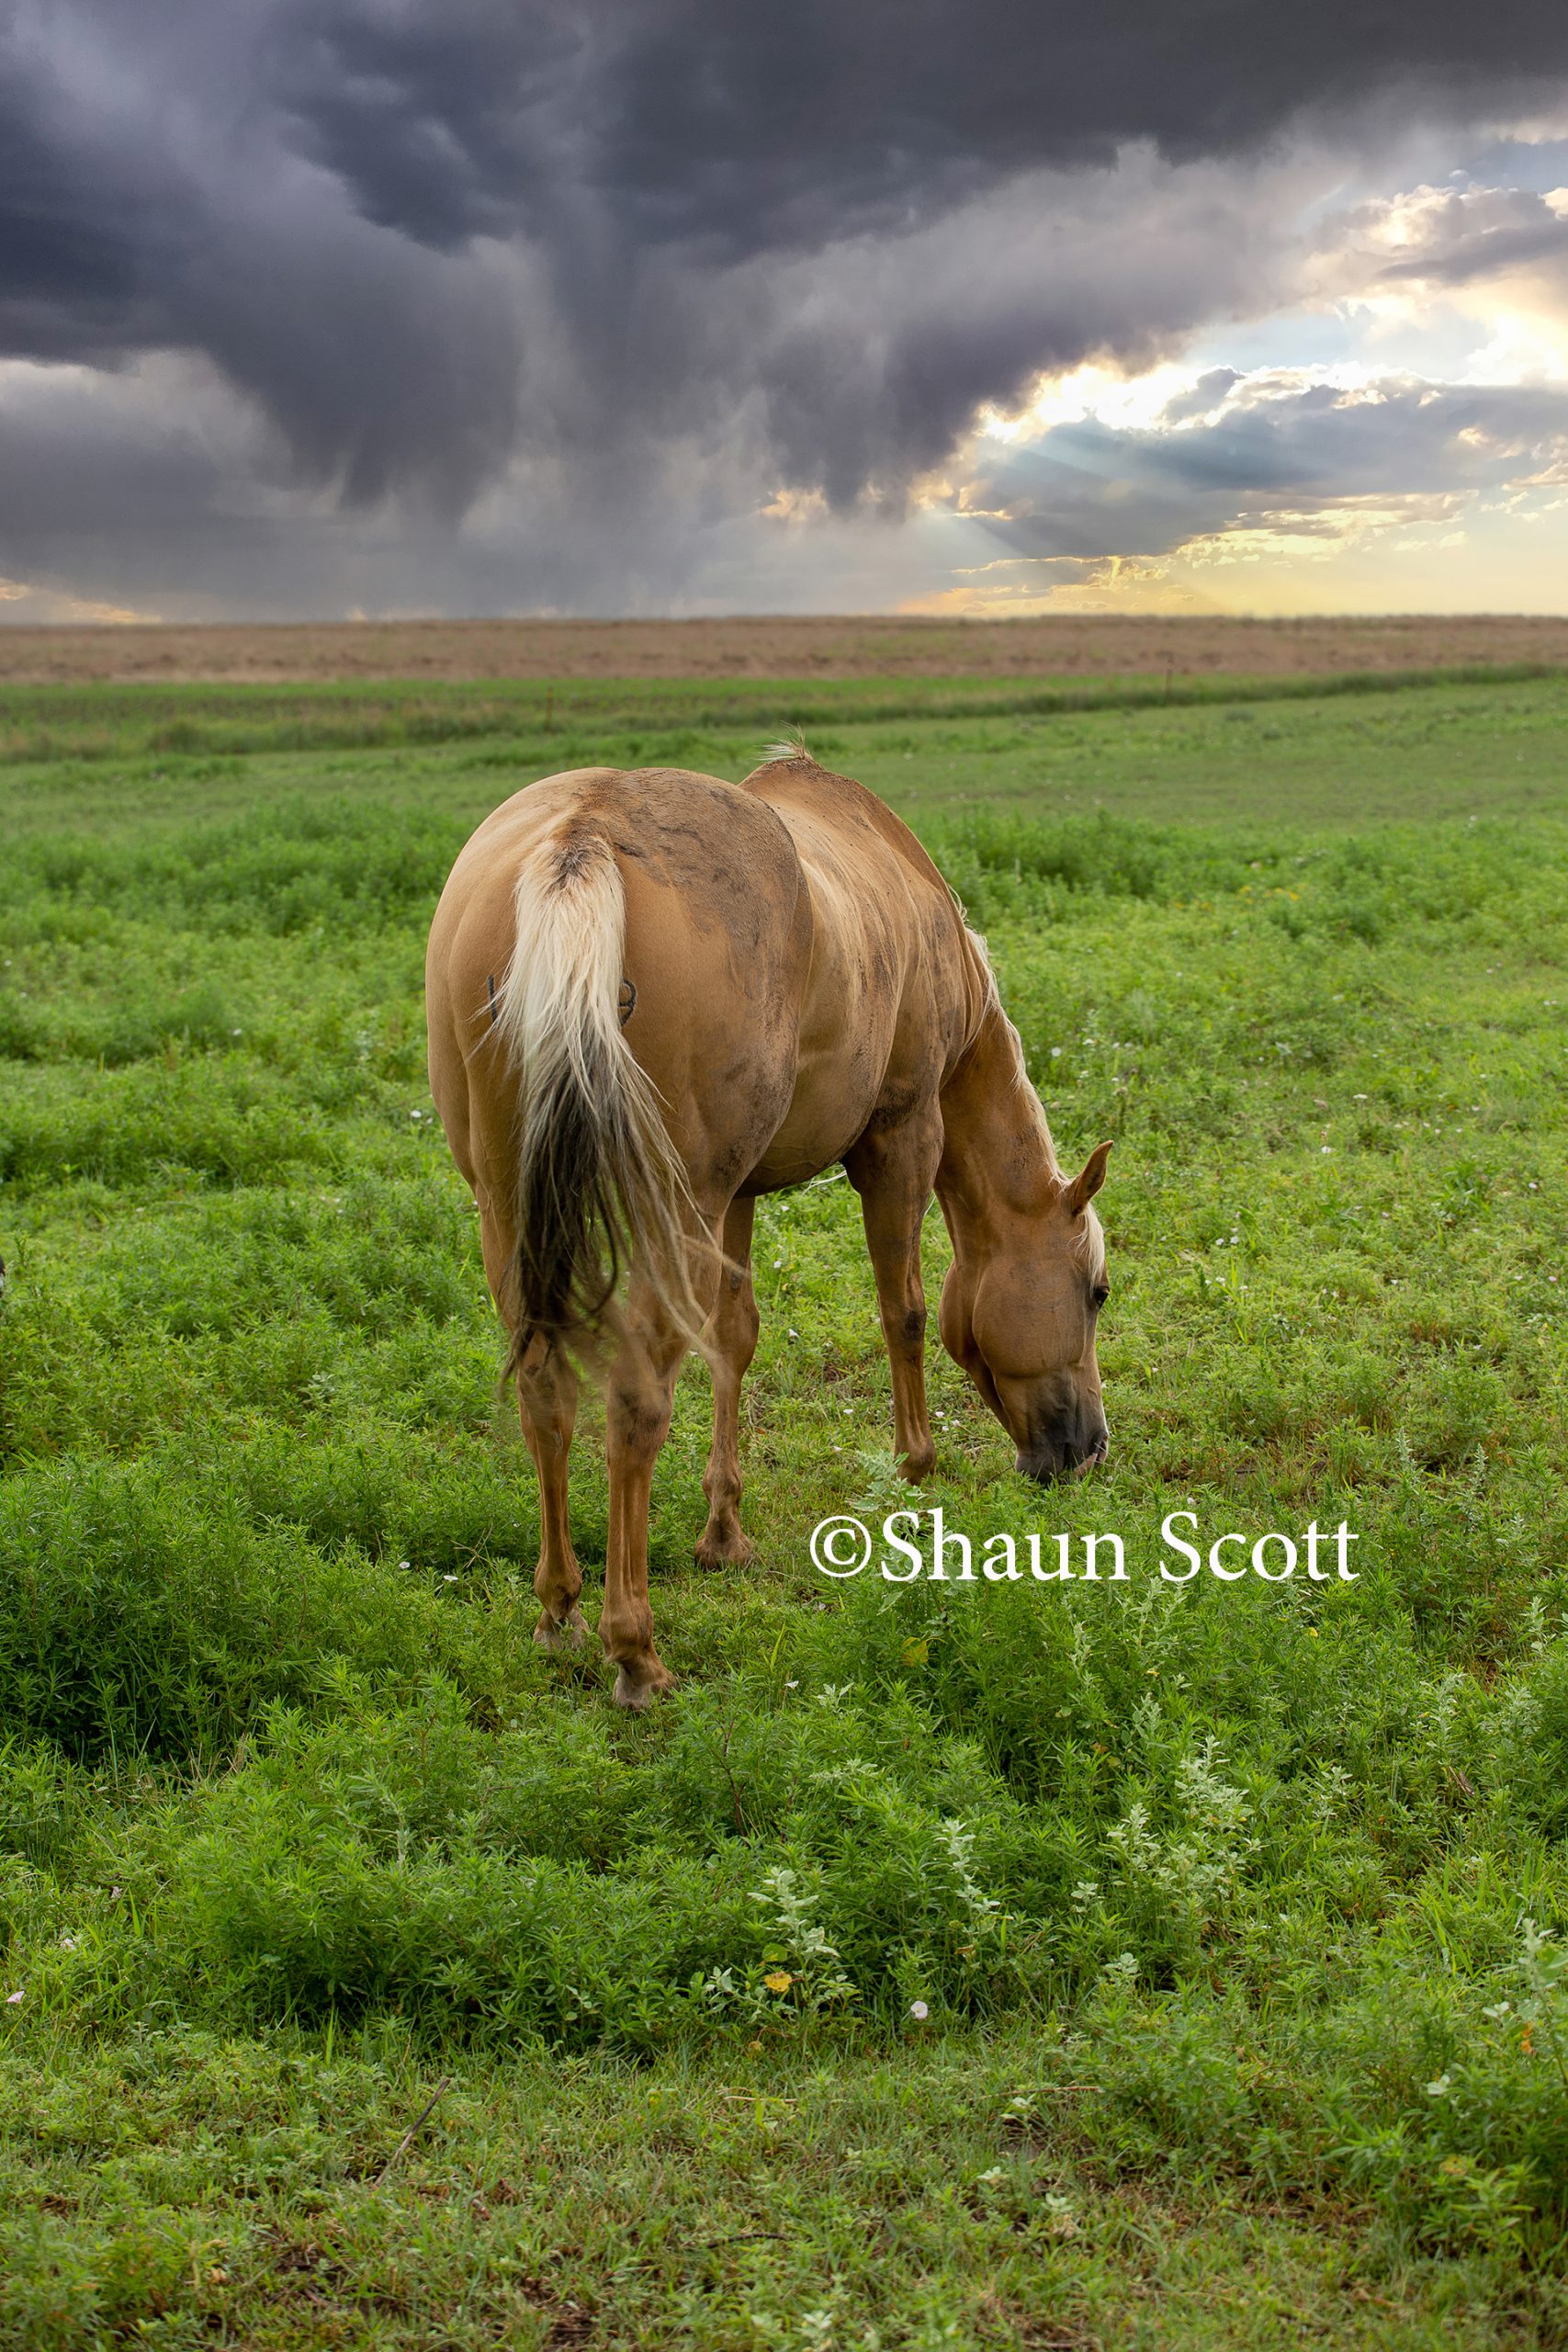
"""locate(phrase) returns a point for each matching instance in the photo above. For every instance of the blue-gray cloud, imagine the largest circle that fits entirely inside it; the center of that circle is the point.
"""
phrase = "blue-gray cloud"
(1271, 449)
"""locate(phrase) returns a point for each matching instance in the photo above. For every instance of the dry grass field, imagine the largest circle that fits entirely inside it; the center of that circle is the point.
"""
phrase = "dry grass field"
(886, 645)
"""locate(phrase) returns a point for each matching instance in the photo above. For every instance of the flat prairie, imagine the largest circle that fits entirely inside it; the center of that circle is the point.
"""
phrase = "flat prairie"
(883, 646)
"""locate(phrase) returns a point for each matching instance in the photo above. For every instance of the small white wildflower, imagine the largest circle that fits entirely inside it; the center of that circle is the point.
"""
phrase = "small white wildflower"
(12, 1998)
(916, 2008)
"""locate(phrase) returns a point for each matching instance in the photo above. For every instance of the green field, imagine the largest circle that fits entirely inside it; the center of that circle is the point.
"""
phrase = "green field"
(1166, 1965)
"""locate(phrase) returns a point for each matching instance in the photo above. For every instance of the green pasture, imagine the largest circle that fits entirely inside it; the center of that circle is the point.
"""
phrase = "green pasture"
(1028, 1963)
(1307, 751)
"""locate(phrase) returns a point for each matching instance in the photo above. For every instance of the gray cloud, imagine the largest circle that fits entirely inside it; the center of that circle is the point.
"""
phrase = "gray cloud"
(631, 268)
(162, 496)
(143, 206)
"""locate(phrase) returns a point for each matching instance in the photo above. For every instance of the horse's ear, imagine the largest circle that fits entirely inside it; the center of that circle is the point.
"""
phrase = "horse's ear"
(1085, 1185)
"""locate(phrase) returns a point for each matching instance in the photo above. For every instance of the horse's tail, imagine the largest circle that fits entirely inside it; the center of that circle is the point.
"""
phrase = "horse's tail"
(600, 1185)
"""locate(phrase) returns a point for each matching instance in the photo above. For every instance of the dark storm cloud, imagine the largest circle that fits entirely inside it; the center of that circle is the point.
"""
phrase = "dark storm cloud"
(1297, 457)
(424, 236)
(445, 122)
(60, 247)
(765, 127)
(147, 203)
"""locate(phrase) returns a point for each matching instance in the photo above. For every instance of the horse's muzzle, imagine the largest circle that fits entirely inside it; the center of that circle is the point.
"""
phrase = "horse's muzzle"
(1052, 1459)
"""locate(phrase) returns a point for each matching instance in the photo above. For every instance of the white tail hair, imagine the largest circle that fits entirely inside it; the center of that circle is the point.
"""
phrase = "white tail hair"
(601, 1187)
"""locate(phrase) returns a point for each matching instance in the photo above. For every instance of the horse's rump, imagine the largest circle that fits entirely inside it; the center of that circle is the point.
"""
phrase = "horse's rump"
(614, 988)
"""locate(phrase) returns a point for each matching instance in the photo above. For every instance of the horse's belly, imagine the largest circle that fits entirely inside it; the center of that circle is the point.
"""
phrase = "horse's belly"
(802, 1148)
(835, 1096)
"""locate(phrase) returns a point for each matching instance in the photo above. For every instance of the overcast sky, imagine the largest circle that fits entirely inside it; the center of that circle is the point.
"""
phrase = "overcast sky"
(319, 307)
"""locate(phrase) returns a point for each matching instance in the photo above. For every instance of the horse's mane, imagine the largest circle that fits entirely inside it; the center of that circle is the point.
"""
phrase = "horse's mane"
(789, 747)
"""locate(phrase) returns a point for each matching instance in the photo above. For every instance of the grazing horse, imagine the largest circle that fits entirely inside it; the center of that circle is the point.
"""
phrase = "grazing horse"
(653, 995)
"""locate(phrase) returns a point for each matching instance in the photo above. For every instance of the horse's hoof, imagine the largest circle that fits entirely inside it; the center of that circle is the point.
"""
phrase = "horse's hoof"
(636, 1693)
(733, 1551)
(561, 1638)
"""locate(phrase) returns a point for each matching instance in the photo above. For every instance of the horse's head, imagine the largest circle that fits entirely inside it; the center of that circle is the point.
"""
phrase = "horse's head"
(1019, 1316)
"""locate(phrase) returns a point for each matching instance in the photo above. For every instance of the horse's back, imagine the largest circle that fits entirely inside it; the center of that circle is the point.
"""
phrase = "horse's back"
(817, 803)
(717, 950)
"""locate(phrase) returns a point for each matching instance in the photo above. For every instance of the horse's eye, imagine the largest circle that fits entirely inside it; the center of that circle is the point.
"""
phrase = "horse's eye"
(1101, 1292)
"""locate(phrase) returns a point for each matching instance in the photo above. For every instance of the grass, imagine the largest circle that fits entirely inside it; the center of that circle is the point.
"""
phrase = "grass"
(111, 762)
(100, 719)
(1013, 1963)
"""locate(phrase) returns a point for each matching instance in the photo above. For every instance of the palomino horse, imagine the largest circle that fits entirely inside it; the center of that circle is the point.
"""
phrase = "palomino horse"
(653, 995)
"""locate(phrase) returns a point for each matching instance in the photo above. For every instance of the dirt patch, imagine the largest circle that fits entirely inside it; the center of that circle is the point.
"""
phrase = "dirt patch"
(1070, 646)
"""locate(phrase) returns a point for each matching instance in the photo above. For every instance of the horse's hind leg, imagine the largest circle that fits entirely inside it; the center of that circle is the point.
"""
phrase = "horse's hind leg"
(546, 1399)
(547, 1394)
(638, 1401)
(731, 1335)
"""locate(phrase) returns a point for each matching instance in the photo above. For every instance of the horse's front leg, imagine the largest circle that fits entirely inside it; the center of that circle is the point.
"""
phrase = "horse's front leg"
(731, 1336)
(894, 1171)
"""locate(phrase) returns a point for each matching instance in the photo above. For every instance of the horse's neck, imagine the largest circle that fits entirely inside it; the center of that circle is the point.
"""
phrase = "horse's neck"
(996, 1154)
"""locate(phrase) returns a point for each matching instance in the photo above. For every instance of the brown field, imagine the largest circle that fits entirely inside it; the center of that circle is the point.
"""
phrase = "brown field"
(1078, 645)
